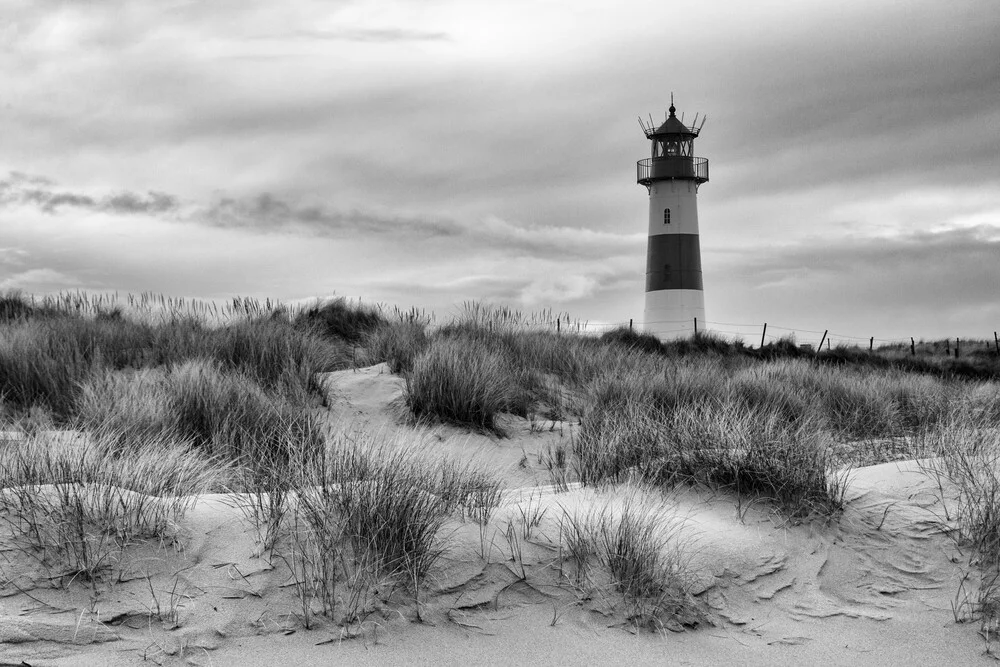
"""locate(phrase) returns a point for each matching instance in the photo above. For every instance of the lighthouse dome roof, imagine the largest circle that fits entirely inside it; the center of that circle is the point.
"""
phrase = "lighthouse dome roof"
(673, 125)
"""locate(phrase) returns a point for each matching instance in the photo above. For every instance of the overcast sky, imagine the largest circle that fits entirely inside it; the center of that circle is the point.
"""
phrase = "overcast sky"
(428, 153)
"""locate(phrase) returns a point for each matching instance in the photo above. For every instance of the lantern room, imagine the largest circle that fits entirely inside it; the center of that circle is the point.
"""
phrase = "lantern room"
(672, 151)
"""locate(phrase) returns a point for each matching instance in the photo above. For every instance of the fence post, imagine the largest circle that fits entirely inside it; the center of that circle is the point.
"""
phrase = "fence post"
(558, 326)
(630, 325)
(947, 346)
(696, 326)
(996, 341)
(871, 343)
(762, 334)
(821, 340)
(958, 346)
(913, 347)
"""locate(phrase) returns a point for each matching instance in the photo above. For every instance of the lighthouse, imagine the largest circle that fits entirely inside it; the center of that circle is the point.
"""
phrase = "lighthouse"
(675, 299)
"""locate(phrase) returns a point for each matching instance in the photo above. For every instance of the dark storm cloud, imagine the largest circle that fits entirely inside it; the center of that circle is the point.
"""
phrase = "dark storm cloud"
(130, 202)
(268, 213)
(40, 192)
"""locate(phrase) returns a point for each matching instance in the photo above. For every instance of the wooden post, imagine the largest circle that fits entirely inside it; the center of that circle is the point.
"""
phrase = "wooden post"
(913, 347)
(558, 326)
(630, 325)
(947, 346)
(996, 341)
(958, 347)
(696, 326)
(762, 334)
(871, 343)
(821, 340)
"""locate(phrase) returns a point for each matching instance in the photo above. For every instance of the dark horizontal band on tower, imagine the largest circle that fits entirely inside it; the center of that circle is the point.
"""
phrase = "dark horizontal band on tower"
(673, 261)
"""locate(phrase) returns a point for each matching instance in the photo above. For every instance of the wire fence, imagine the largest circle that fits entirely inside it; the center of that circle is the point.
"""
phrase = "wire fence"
(763, 333)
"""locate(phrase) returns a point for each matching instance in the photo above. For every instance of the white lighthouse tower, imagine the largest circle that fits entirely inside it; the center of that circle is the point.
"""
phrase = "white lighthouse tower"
(675, 301)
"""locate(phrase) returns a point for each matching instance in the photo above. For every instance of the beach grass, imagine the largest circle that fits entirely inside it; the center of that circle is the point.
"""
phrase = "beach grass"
(169, 406)
(74, 503)
(635, 542)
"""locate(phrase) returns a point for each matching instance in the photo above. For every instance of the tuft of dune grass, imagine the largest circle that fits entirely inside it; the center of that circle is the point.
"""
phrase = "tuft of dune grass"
(686, 426)
(633, 340)
(463, 382)
(369, 510)
(225, 414)
(398, 344)
(340, 319)
(965, 463)
(75, 504)
(635, 541)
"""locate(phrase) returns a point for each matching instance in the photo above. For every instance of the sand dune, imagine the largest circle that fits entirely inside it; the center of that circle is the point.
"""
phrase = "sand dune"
(873, 586)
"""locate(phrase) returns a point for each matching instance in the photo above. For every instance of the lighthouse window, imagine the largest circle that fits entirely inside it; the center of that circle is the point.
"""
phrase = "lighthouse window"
(666, 216)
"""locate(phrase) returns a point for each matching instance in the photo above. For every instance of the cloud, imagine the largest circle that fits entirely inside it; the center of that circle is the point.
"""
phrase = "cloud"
(129, 202)
(40, 192)
(485, 144)
(39, 280)
(549, 283)
(267, 213)
(374, 35)
(922, 284)
(12, 256)
(558, 289)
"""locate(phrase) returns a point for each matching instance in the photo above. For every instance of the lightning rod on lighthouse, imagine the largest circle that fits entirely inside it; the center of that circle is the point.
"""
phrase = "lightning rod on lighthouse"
(675, 298)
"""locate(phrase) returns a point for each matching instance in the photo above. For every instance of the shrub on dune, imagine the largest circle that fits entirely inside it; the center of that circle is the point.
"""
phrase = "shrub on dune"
(225, 414)
(755, 454)
(40, 367)
(461, 381)
(340, 319)
(761, 388)
(666, 431)
(274, 353)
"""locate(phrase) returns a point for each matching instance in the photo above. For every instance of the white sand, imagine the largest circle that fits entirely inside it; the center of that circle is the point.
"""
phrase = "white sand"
(874, 587)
